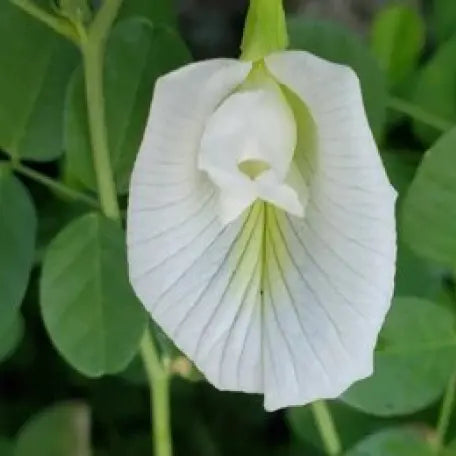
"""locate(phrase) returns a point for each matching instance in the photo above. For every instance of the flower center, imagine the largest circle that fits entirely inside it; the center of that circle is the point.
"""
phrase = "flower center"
(247, 148)
(253, 168)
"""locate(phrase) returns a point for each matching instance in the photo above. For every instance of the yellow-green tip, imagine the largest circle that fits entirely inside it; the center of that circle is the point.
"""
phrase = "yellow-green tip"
(265, 30)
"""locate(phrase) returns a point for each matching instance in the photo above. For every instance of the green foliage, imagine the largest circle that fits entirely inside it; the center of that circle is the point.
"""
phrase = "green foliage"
(444, 18)
(352, 424)
(339, 45)
(397, 39)
(158, 11)
(435, 89)
(415, 276)
(138, 52)
(414, 360)
(431, 202)
(393, 442)
(60, 430)
(88, 307)
(11, 332)
(35, 67)
(17, 244)
(6, 447)
(76, 10)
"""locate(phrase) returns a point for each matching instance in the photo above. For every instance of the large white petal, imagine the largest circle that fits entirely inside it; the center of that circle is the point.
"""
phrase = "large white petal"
(271, 303)
(188, 270)
(333, 274)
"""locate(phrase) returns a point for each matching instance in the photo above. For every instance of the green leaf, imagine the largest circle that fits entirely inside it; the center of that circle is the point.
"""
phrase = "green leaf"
(137, 54)
(450, 450)
(415, 358)
(393, 442)
(36, 65)
(17, 243)
(415, 276)
(6, 447)
(89, 309)
(60, 430)
(397, 38)
(431, 203)
(435, 89)
(444, 18)
(158, 11)
(76, 10)
(335, 43)
(11, 332)
(351, 424)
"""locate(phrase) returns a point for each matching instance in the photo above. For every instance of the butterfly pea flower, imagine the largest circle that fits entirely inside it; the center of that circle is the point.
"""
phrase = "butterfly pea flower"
(261, 228)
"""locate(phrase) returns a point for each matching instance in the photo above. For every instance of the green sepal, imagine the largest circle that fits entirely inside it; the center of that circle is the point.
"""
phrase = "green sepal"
(265, 30)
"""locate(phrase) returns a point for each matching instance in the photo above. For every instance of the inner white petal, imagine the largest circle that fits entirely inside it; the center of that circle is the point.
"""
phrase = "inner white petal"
(247, 149)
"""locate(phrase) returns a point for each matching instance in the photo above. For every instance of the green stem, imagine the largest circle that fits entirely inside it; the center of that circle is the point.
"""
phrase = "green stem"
(54, 185)
(326, 427)
(158, 379)
(418, 113)
(93, 57)
(58, 24)
(93, 44)
(446, 410)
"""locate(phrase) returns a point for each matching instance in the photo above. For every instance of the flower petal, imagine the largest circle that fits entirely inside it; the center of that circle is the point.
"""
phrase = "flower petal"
(271, 303)
(337, 264)
(182, 261)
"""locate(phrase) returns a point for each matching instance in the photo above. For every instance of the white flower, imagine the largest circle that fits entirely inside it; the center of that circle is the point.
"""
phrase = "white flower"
(261, 228)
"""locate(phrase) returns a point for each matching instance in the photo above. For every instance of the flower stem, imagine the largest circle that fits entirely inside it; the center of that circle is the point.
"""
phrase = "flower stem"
(158, 378)
(93, 57)
(93, 43)
(54, 185)
(327, 428)
(58, 24)
(418, 113)
(446, 410)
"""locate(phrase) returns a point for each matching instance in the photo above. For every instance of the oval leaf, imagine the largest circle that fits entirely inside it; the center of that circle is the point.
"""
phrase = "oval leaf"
(17, 243)
(413, 363)
(61, 430)
(393, 442)
(431, 203)
(36, 66)
(137, 54)
(397, 39)
(444, 18)
(435, 89)
(89, 309)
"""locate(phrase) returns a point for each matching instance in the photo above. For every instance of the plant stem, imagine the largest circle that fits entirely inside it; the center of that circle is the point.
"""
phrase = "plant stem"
(93, 57)
(446, 409)
(325, 424)
(58, 24)
(92, 46)
(54, 185)
(158, 379)
(418, 113)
